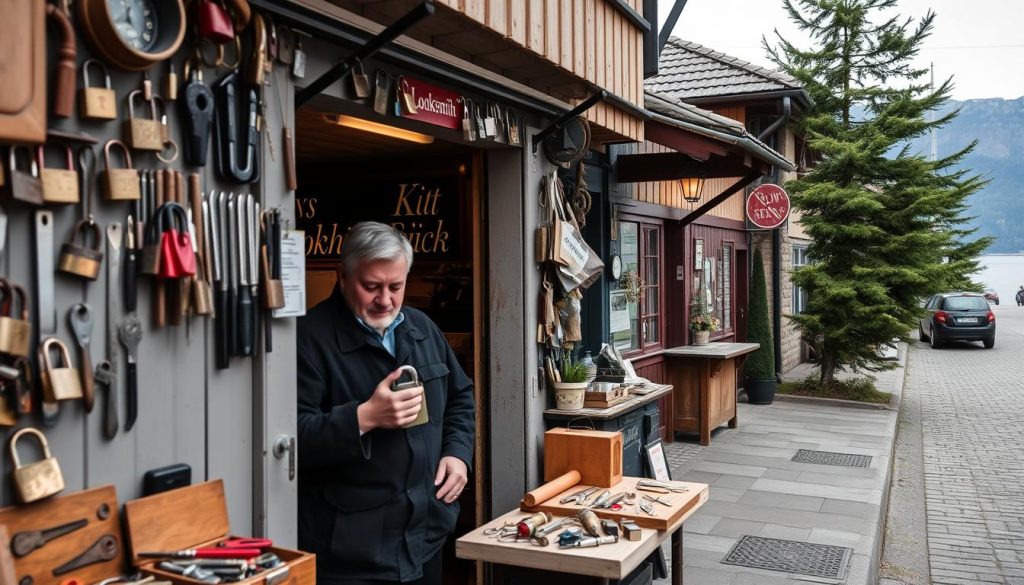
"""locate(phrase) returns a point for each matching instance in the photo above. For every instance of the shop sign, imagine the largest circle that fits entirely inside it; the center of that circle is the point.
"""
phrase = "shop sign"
(767, 207)
(425, 210)
(434, 105)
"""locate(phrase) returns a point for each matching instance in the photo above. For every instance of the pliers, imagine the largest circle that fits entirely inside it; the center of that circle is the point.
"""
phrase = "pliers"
(578, 498)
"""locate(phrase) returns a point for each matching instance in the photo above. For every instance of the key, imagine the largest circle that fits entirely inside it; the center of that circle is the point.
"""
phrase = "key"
(102, 550)
(130, 334)
(80, 318)
(25, 542)
(106, 377)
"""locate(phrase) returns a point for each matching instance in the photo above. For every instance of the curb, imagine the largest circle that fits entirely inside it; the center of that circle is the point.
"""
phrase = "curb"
(832, 402)
(883, 510)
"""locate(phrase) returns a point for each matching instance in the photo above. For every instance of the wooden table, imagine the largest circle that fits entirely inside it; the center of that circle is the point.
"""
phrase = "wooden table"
(606, 562)
(704, 377)
(634, 401)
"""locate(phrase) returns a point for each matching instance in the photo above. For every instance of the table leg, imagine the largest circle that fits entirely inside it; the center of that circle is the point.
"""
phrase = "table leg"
(677, 556)
(704, 387)
(670, 406)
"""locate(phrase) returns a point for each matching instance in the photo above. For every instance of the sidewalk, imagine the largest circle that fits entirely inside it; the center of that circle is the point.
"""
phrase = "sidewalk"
(757, 490)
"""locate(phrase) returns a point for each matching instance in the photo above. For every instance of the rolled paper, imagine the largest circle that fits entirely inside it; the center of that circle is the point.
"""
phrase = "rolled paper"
(551, 489)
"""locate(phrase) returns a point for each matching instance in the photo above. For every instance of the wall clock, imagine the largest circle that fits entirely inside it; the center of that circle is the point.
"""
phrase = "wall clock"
(133, 34)
(615, 265)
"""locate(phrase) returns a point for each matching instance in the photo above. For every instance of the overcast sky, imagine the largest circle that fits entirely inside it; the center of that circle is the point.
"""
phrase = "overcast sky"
(980, 43)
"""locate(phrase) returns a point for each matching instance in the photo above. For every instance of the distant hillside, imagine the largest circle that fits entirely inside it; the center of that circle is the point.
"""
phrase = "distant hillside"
(998, 125)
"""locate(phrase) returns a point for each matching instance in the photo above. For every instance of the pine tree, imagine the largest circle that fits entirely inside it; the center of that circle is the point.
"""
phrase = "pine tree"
(887, 224)
(760, 365)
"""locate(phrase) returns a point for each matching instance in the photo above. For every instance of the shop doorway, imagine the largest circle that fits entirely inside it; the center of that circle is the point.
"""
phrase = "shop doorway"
(433, 191)
(742, 272)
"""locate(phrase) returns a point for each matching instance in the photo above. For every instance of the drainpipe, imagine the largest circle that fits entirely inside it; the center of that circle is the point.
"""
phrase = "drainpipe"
(787, 110)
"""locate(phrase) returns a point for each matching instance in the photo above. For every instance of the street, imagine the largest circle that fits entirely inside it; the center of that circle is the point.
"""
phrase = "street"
(961, 417)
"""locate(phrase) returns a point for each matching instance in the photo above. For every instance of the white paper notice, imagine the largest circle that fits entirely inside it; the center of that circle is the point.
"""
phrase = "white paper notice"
(293, 274)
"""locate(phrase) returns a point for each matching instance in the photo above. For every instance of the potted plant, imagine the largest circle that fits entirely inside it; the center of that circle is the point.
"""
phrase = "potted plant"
(702, 321)
(570, 390)
(760, 365)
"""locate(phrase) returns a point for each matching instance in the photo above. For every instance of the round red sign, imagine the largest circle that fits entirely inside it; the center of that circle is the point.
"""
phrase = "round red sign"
(767, 206)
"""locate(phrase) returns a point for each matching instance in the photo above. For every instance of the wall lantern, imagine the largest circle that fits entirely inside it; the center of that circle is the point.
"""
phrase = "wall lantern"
(692, 188)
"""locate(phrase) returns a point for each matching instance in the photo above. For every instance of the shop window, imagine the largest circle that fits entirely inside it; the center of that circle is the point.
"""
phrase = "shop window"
(635, 302)
(799, 294)
(723, 296)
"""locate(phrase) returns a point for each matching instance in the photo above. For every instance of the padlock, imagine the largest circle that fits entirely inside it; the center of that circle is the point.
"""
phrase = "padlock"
(81, 259)
(500, 131)
(421, 416)
(34, 481)
(490, 124)
(408, 98)
(119, 184)
(468, 127)
(97, 103)
(59, 383)
(140, 133)
(382, 89)
(59, 185)
(14, 331)
(512, 122)
(299, 64)
(22, 185)
(360, 80)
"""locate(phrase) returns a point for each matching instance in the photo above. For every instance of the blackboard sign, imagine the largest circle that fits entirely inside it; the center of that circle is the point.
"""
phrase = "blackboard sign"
(426, 211)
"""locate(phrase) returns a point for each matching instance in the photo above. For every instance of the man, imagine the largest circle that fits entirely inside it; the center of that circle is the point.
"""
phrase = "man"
(376, 500)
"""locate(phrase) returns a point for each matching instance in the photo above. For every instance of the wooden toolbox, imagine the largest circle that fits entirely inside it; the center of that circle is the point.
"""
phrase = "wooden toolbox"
(597, 455)
(605, 398)
(95, 510)
(194, 517)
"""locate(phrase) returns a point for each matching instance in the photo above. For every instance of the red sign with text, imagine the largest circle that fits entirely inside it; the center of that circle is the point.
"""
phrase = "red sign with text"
(434, 105)
(767, 206)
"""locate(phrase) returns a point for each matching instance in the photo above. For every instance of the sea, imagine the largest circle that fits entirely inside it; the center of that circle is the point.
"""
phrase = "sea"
(1002, 272)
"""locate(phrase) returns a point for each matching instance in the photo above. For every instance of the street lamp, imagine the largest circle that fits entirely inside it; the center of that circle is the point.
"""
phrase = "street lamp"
(692, 188)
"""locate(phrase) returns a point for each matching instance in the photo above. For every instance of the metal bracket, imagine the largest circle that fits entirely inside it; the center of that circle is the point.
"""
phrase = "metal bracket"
(340, 70)
(590, 102)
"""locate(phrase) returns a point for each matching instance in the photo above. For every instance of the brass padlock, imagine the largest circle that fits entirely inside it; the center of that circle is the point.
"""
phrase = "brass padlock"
(360, 81)
(140, 133)
(59, 185)
(408, 97)
(97, 103)
(119, 184)
(35, 481)
(421, 416)
(61, 383)
(22, 185)
(512, 122)
(14, 331)
(82, 260)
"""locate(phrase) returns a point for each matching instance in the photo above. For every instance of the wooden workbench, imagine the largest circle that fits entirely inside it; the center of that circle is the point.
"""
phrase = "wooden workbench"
(704, 378)
(634, 401)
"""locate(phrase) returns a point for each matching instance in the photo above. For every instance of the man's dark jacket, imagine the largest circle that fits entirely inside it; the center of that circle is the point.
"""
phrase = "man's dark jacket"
(367, 505)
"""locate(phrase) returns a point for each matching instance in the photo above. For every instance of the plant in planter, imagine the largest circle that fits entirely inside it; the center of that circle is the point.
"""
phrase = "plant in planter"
(569, 392)
(760, 365)
(702, 321)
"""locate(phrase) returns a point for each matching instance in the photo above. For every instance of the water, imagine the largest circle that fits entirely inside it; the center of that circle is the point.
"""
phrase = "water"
(1002, 272)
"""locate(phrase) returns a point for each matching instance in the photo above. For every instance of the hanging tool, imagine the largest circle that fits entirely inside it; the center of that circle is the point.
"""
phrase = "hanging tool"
(238, 142)
(45, 303)
(102, 550)
(80, 319)
(234, 273)
(218, 233)
(245, 300)
(106, 378)
(109, 375)
(130, 334)
(131, 266)
(22, 543)
(198, 115)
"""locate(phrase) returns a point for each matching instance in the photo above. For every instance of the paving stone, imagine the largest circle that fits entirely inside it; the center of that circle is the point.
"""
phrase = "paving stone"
(776, 500)
(699, 524)
(707, 576)
(785, 532)
(849, 508)
(735, 481)
(735, 527)
(724, 494)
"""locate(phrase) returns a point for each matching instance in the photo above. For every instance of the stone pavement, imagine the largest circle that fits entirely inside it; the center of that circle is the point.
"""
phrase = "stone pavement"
(757, 490)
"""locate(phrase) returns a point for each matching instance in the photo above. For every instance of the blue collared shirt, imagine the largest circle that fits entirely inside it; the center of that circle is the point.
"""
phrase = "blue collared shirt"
(388, 339)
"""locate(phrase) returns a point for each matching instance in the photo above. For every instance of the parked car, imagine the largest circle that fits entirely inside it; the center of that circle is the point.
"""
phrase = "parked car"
(991, 296)
(958, 316)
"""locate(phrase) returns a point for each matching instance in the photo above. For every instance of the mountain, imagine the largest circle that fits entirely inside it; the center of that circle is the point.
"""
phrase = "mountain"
(998, 125)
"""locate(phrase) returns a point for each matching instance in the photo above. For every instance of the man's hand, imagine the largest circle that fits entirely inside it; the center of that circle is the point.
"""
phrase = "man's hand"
(388, 409)
(453, 472)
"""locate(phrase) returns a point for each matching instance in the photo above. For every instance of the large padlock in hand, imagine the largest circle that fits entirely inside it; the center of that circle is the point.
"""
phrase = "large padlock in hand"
(422, 416)
(38, 480)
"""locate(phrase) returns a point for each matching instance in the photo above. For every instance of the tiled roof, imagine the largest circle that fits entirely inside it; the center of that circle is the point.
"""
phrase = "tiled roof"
(690, 71)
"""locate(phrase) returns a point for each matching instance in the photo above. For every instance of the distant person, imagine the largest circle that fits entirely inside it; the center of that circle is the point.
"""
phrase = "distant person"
(1020, 296)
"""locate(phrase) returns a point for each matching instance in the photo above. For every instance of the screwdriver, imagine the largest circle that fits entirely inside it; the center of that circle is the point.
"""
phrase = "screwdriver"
(205, 553)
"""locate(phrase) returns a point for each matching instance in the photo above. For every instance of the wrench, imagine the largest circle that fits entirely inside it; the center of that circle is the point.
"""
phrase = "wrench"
(25, 542)
(102, 550)
(80, 319)
(130, 334)
(106, 377)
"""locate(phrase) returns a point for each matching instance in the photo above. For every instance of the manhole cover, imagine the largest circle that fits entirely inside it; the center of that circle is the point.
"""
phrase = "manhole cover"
(830, 458)
(790, 556)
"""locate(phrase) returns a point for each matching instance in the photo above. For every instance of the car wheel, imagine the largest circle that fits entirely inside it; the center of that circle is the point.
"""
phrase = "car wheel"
(989, 343)
(920, 334)
(934, 339)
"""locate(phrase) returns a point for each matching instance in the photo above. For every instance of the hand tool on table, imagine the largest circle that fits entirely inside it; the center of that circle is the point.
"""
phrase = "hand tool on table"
(192, 572)
(649, 483)
(553, 526)
(106, 378)
(646, 507)
(658, 500)
(104, 549)
(80, 319)
(611, 501)
(601, 499)
(205, 553)
(129, 332)
(233, 265)
(22, 543)
(578, 498)
(244, 326)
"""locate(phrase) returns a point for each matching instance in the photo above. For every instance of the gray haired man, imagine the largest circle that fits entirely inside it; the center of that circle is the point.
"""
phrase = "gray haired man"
(377, 500)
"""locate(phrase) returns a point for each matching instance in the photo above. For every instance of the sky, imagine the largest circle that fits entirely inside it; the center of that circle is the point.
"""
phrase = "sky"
(980, 43)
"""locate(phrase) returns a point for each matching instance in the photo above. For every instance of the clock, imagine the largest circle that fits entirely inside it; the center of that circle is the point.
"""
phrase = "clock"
(615, 264)
(133, 34)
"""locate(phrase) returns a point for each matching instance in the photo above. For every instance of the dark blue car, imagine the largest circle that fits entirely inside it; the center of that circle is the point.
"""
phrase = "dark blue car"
(958, 316)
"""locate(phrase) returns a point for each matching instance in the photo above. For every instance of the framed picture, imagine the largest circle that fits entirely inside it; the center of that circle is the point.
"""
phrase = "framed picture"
(657, 464)
(698, 254)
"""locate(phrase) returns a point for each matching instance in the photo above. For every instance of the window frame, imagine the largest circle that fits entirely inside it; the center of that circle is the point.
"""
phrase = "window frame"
(645, 224)
(800, 297)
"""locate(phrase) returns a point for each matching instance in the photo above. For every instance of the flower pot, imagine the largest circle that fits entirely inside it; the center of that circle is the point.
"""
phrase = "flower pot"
(569, 395)
(760, 391)
(701, 337)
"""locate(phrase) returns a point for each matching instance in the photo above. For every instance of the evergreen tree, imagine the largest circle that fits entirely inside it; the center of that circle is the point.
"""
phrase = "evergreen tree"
(887, 224)
(760, 365)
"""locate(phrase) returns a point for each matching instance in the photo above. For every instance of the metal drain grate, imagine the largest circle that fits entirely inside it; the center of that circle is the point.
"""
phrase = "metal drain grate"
(830, 458)
(790, 556)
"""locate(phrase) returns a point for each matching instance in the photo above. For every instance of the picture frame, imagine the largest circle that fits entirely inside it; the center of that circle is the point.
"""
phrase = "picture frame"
(657, 463)
(698, 253)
